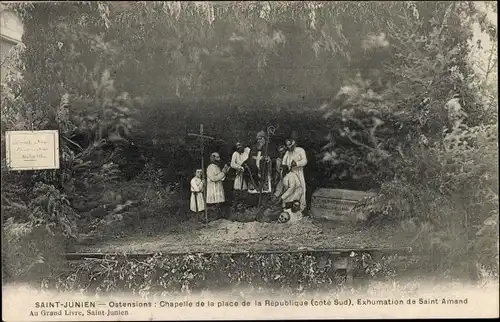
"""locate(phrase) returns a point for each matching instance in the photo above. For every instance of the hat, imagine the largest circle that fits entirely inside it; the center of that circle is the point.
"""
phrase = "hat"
(290, 142)
(293, 135)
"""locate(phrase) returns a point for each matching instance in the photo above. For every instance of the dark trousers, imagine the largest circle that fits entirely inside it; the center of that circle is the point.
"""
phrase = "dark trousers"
(228, 190)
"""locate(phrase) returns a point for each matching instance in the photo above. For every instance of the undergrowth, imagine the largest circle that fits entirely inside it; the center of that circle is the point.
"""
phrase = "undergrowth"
(294, 273)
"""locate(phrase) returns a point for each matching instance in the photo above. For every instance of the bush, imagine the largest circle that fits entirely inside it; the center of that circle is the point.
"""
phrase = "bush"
(187, 273)
(454, 212)
(93, 121)
(30, 251)
(427, 139)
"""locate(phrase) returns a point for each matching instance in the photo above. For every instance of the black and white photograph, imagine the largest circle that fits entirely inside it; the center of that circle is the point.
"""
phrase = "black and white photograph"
(249, 160)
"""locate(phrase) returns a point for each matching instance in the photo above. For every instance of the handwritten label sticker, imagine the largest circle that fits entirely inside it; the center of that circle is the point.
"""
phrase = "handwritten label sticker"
(32, 150)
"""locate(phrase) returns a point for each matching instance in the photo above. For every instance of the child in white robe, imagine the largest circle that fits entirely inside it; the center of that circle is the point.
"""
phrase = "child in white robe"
(197, 203)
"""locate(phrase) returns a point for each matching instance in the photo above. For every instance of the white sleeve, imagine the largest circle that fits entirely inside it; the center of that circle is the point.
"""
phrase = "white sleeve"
(234, 164)
(302, 157)
(215, 174)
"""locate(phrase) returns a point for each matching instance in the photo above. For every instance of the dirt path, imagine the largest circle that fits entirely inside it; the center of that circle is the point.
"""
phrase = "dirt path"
(228, 236)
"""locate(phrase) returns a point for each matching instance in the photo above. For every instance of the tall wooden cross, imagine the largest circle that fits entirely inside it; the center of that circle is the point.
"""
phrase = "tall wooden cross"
(202, 139)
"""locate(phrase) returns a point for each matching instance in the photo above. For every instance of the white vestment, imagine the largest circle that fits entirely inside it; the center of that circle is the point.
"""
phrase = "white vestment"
(197, 203)
(258, 156)
(236, 163)
(299, 156)
(215, 188)
(291, 188)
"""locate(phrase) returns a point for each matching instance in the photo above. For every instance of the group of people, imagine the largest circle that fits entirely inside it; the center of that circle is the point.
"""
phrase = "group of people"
(260, 171)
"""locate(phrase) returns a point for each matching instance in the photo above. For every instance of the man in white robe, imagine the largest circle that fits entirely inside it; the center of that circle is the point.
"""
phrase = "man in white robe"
(238, 163)
(197, 203)
(215, 176)
(291, 190)
(237, 160)
(215, 187)
(296, 159)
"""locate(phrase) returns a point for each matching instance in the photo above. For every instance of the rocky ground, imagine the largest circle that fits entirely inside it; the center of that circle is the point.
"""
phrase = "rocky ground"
(232, 236)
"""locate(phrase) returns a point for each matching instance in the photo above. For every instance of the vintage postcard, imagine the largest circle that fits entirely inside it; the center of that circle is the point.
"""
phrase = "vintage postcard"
(179, 160)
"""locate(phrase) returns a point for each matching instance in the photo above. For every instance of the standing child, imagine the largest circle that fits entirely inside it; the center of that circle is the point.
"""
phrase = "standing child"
(197, 203)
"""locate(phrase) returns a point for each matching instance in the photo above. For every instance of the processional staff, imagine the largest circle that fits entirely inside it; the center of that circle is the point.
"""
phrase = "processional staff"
(270, 131)
(202, 138)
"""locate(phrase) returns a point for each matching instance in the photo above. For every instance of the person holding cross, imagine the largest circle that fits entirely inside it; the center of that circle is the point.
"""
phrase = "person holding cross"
(202, 139)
